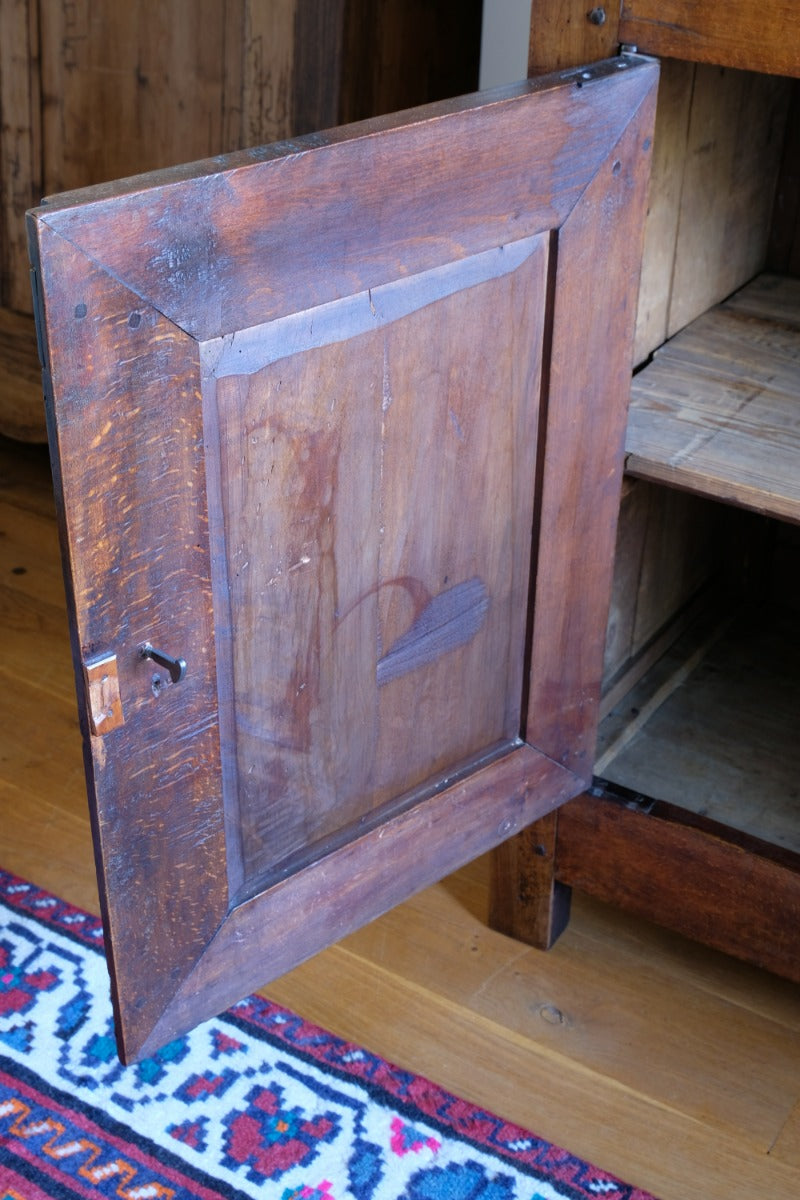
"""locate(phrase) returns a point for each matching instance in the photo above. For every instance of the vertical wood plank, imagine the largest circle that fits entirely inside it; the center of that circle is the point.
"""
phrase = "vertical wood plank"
(266, 51)
(233, 82)
(631, 531)
(661, 227)
(21, 403)
(566, 33)
(129, 88)
(20, 145)
(670, 548)
(399, 53)
(683, 547)
(318, 65)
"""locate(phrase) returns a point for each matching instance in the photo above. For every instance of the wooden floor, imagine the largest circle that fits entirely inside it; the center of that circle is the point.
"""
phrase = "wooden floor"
(674, 1067)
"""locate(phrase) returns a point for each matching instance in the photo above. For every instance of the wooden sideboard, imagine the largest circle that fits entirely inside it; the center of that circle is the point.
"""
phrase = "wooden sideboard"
(694, 817)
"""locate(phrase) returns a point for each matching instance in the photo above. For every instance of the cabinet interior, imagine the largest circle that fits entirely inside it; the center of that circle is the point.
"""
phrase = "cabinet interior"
(700, 704)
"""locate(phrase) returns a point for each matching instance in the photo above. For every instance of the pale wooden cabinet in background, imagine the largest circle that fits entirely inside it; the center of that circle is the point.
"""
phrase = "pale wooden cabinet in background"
(93, 90)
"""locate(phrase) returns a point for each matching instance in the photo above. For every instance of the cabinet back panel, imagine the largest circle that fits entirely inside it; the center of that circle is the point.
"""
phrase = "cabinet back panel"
(718, 148)
(784, 248)
(669, 552)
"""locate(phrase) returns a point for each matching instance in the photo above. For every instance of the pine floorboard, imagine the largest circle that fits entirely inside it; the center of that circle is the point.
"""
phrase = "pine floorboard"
(669, 1064)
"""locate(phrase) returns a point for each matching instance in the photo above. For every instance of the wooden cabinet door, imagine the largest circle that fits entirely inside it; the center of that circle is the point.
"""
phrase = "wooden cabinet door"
(337, 431)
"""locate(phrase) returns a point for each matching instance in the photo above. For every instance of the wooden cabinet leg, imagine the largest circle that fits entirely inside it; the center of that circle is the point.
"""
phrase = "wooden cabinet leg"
(526, 901)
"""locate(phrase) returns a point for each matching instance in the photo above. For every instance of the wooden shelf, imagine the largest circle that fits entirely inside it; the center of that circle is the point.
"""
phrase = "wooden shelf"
(712, 727)
(717, 410)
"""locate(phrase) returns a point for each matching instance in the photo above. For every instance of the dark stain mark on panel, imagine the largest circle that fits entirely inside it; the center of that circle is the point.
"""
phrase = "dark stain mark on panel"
(448, 620)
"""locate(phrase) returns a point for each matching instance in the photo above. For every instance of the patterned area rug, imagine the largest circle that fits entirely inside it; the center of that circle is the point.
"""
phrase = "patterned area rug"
(258, 1103)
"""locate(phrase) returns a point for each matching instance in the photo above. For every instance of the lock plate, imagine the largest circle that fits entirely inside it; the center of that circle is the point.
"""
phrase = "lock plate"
(105, 702)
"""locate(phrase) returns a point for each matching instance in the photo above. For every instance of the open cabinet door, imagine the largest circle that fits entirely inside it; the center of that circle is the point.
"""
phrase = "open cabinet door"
(336, 428)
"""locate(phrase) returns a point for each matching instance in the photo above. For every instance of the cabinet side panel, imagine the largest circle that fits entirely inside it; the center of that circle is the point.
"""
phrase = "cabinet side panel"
(675, 89)
(20, 146)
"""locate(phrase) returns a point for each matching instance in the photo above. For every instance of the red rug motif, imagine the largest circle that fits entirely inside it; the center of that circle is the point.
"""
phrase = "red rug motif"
(258, 1103)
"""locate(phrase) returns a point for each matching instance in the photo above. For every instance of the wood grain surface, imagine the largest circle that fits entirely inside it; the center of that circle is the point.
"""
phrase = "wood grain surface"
(735, 893)
(360, 469)
(567, 33)
(735, 34)
(716, 410)
(739, 34)
(20, 145)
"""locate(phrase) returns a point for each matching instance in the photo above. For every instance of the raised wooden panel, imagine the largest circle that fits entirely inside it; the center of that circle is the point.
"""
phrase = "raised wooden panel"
(333, 422)
(355, 446)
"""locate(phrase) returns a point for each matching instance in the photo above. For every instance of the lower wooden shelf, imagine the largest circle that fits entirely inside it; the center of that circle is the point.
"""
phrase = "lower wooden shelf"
(698, 807)
(694, 818)
(717, 412)
(713, 726)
